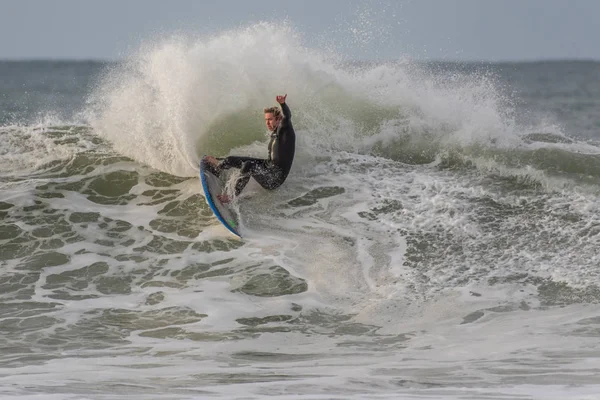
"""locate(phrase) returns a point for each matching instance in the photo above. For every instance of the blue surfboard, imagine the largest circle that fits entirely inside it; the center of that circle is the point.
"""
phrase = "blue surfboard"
(213, 186)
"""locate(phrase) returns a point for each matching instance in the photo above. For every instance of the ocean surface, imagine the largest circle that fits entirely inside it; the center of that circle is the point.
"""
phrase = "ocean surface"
(437, 238)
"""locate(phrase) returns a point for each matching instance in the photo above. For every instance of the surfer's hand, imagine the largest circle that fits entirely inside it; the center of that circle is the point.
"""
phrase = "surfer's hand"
(281, 99)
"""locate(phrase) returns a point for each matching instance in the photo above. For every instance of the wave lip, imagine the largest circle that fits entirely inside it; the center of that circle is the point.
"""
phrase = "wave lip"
(179, 97)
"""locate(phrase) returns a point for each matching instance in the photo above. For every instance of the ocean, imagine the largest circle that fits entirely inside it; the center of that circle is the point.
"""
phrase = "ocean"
(438, 236)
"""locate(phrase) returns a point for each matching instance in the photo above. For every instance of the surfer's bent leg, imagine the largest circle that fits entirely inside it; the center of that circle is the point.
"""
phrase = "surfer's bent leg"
(236, 162)
(247, 167)
(268, 175)
(251, 167)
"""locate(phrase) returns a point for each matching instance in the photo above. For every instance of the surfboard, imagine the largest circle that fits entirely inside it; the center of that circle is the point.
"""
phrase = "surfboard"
(213, 186)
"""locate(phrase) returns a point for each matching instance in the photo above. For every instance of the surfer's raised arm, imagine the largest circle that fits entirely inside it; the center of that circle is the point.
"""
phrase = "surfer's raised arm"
(284, 107)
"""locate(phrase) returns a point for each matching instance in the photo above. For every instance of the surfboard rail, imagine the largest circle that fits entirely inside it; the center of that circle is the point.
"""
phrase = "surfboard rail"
(212, 186)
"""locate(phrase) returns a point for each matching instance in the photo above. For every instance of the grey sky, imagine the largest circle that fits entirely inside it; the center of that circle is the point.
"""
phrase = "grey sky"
(437, 29)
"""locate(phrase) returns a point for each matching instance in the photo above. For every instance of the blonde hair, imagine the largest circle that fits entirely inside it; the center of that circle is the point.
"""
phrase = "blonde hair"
(276, 111)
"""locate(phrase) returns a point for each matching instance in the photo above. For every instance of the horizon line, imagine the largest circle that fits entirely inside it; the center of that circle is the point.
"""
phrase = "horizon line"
(457, 61)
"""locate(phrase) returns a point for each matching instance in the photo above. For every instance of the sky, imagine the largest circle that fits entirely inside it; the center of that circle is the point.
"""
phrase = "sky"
(467, 30)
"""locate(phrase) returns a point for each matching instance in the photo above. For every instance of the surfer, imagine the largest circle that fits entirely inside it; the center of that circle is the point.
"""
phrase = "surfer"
(270, 173)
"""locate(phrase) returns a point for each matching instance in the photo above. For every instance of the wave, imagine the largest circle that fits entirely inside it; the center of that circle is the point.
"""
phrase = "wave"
(180, 97)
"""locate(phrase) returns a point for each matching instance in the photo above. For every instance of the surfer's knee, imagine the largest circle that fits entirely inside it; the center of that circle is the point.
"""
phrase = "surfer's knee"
(247, 167)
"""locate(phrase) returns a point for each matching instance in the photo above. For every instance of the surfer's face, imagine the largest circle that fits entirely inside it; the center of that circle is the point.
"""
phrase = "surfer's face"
(271, 121)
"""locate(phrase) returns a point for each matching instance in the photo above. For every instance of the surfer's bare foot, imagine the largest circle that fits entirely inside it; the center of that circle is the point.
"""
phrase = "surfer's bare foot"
(212, 160)
(223, 198)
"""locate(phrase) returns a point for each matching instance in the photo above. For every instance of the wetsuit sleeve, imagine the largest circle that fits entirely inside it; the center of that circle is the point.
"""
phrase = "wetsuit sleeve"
(286, 111)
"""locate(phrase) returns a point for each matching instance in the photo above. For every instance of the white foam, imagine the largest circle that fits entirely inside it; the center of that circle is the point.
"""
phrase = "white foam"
(26, 149)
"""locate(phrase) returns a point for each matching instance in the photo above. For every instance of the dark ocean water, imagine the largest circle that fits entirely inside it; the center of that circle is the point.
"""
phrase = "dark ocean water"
(438, 236)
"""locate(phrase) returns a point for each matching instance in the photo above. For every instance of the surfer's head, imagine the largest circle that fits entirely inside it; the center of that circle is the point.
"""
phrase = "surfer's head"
(272, 117)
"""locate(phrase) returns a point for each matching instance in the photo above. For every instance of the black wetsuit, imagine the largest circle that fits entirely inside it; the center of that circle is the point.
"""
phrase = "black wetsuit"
(272, 172)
